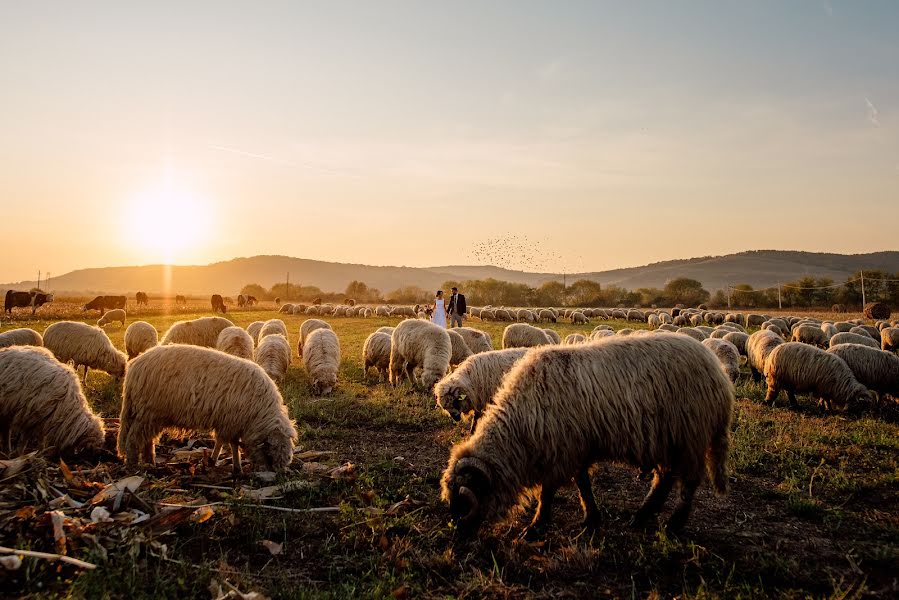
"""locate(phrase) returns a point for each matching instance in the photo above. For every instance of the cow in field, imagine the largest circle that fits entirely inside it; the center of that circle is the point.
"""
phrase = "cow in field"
(218, 304)
(179, 299)
(16, 299)
(141, 299)
(104, 303)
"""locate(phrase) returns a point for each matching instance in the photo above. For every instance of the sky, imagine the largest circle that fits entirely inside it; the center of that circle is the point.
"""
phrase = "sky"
(606, 134)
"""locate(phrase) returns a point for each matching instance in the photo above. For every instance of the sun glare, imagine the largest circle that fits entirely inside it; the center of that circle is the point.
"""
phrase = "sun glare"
(166, 222)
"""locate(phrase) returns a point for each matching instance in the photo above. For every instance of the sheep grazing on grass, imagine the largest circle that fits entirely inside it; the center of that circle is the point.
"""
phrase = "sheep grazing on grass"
(753, 320)
(253, 329)
(738, 339)
(693, 332)
(387, 330)
(654, 321)
(847, 337)
(758, 347)
(477, 340)
(419, 344)
(799, 368)
(546, 315)
(376, 353)
(562, 409)
(470, 388)
(321, 357)
(273, 327)
(810, 334)
(553, 336)
(20, 337)
(286, 309)
(829, 330)
(85, 346)
(140, 337)
(42, 405)
(236, 342)
(889, 339)
(666, 327)
(727, 354)
(578, 318)
(459, 349)
(197, 332)
(873, 368)
(872, 331)
(522, 335)
(843, 326)
(574, 338)
(184, 388)
(273, 355)
(116, 315)
(308, 326)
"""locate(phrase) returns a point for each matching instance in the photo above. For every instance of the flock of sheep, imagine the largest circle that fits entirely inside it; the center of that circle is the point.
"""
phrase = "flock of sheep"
(543, 410)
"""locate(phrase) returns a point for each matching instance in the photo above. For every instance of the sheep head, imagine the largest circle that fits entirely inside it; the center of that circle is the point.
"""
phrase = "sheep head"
(453, 398)
(470, 489)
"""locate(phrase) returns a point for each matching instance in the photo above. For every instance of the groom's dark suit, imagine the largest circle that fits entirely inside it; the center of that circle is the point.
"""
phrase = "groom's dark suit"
(456, 309)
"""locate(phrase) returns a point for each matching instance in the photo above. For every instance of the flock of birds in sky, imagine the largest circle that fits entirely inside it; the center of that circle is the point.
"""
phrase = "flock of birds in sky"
(521, 253)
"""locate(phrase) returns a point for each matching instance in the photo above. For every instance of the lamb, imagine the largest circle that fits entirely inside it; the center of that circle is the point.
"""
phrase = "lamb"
(727, 354)
(873, 368)
(419, 344)
(574, 338)
(197, 332)
(797, 367)
(738, 339)
(562, 409)
(477, 340)
(20, 337)
(308, 326)
(236, 342)
(847, 337)
(116, 314)
(553, 336)
(273, 327)
(84, 345)
(140, 337)
(188, 388)
(889, 339)
(321, 357)
(42, 404)
(758, 347)
(273, 355)
(470, 388)
(459, 349)
(578, 318)
(376, 353)
(810, 334)
(522, 335)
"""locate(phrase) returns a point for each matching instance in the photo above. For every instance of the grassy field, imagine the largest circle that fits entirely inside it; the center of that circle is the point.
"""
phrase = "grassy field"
(813, 509)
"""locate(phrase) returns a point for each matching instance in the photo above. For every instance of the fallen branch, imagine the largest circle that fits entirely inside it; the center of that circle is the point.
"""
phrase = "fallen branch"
(320, 509)
(48, 556)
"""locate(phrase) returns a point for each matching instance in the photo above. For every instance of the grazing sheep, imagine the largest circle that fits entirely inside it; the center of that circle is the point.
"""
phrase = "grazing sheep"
(738, 318)
(605, 327)
(668, 327)
(253, 329)
(308, 326)
(562, 409)
(286, 309)
(112, 316)
(470, 388)
(488, 315)
(387, 330)
(872, 331)
(419, 344)
(753, 320)
(719, 333)
(810, 334)
(321, 357)
(889, 339)
(140, 337)
(524, 314)
(522, 335)
(376, 353)
(654, 321)
(847, 337)
(624, 331)
(695, 320)
(797, 367)
(574, 338)
(273, 327)
(299, 309)
(732, 326)
(189, 388)
(477, 340)
(503, 315)
(460, 350)
(578, 318)
(42, 405)
(273, 355)
(693, 332)
(873, 368)
(20, 337)
(382, 311)
(599, 334)
(758, 347)
(843, 326)
(727, 354)
(738, 339)
(553, 336)
(85, 346)
(636, 315)
(236, 342)
(829, 330)
(198, 332)
(546, 315)
(665, 318)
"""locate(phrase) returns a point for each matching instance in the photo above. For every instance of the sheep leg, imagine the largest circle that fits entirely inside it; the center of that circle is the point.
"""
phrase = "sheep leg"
(792, 396)
(682, 512)
(149, 453)
(215, 452)
(588, 501)
(771, 396)
(661, 486)
(235, 459)
(544, 514)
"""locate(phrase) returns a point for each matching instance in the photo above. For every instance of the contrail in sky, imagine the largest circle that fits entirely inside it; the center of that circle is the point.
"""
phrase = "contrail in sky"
(277, 161)
(872, 112)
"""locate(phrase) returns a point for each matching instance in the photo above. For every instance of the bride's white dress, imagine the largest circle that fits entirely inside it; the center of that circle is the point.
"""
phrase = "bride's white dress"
(439, 315)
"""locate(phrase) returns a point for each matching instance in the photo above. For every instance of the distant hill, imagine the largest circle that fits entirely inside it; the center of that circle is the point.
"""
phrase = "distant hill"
(759, 268)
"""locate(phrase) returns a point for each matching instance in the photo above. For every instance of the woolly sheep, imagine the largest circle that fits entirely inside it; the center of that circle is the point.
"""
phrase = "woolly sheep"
(797, 367)
(553, 336)
(85, 346)
(273, 327)
(624, 331)
(376, 353)
(738, 339)
(273, 355)
(546, 315)
(696, 320)
(253, 329)
(189, 388)
(561, 409)
(387, 330)
(299, 309)
(873, 368)
(236, 342)
(692, 332)
(574, 338)
(636, 315)
(843, 326)
(459, 349)
(720, 333)
(42, 404)
(727, 354)
(524, 314)
(20, 337)
(112, 316)
(286, 309)
(197, 332)
(522, 335)
(668, 327)
(419, 344)
(829, 330)
(872, 331)
(707, 331)
(654, 321)
(599, 334)
(477, 340)
(308, 326)
(758, 347)
(321, 357)
(578, 318)
(470, 388)
(889, 339)
(140, 337)
(847, 337)
(665, 318)
(753, 320)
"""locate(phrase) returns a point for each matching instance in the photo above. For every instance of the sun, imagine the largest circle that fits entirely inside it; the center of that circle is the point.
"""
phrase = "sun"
(167, 222)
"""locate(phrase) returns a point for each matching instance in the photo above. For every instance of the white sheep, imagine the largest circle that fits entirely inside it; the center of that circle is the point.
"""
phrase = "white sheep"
(236, 342)
(321, 357)
(419, 344)
(308, 326)
(273, 355)
(140, 337)
(376, 353)
(873, 368)
(727, 354)
(197, 332)
(459, 349)
(253, 329)
(847, 337)
(477, 340)
(20, 337)
(758, 347)
(574, 338)
(273, 327)
(798, 367)
(112, 316)
(85, 346)
(552, 335)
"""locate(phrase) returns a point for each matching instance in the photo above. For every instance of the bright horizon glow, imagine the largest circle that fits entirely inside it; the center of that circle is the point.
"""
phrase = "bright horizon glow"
(409, 133)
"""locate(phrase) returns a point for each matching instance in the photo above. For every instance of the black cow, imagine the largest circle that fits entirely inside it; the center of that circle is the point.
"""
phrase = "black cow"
(218, 304)
(104, 303)
(16, 299)
(141, 299)
(179, 299)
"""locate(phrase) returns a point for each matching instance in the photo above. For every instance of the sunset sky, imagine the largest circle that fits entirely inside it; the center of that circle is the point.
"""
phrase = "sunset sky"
(406, 133)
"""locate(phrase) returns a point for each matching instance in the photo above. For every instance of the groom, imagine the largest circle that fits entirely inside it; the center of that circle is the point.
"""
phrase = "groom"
(456, 308)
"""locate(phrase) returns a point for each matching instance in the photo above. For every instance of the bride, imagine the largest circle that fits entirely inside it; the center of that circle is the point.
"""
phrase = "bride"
(439, 316)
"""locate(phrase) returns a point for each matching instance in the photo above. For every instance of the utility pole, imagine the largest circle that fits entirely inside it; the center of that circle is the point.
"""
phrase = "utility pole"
(779, 304)
(287, 293)
(728, 295)
(863, 288)
(38, 279)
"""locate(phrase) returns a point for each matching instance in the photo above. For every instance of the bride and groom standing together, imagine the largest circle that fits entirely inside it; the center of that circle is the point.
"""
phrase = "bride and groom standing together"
(456, 309)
